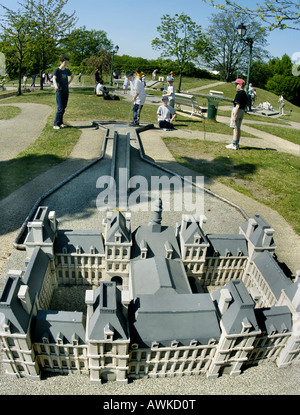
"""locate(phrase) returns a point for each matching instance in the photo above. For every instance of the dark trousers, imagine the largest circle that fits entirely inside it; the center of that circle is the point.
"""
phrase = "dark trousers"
(137, 113)
(61, 102)
(165, 124)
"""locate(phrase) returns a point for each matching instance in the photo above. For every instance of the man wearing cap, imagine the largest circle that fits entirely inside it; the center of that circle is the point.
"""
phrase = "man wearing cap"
(237, 115)
(166, 115)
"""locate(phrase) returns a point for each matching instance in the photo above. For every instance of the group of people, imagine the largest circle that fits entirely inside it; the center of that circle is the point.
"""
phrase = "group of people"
(166, 114)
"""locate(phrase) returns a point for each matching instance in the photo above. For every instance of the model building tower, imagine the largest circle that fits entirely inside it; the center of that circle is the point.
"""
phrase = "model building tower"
(106, 334)
(118, 242)
(193, 245)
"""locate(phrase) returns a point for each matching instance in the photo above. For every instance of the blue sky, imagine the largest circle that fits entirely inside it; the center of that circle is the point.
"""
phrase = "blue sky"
(132, 25)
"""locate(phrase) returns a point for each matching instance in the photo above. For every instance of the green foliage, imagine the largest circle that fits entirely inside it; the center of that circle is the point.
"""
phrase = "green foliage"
(276, 14)
(30, 36)
(124, 63)
(181, 38)
(283, 81)
(81, 43)
(231, 54)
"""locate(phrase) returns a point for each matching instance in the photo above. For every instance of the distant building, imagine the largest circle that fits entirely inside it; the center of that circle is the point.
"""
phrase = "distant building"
(159, 301)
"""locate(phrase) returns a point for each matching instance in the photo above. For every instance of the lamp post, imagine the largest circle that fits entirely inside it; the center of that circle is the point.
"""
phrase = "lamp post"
(242, 30)
(112, 63)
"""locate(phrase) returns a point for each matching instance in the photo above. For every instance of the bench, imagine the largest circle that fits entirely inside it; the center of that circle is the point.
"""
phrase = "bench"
(218, 93)
(118, 82)
(188, 100)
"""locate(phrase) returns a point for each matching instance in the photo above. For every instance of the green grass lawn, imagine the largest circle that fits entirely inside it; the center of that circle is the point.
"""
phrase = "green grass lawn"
(270, 177)
(7, 112)
(290, 134)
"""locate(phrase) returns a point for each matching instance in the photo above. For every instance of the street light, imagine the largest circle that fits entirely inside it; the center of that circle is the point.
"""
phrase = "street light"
(242, 30)
(112, 63)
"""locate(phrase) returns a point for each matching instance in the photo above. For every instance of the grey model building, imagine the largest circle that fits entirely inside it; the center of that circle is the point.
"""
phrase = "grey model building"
(159, 301)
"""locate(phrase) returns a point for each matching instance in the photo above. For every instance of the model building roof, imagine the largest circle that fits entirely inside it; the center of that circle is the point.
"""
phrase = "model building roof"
(257, 234)
(107, 314)
(155, 241)
(240, 310)
(35, 272)
(68, 326)
(118, 224)
(70, 240)
(274, 319)
(227, 243)
(272, 273)
(48, 233)
(158, 275)
(179, 317)
(191, 230)
(12, 312)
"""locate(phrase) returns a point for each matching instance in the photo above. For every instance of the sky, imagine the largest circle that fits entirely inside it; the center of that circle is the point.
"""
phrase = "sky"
(133, 25)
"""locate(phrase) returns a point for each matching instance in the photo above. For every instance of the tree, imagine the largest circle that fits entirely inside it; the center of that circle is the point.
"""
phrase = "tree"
(81, 43)
(231, 55)
(102, 61)
(283, 81)
(49, 26)
(181, 38)
(16, 29)
(277, 14)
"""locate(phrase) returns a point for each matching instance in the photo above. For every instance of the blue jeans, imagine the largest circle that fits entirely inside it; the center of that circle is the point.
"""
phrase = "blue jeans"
(61, 102)
(165, 124)
(137, 113)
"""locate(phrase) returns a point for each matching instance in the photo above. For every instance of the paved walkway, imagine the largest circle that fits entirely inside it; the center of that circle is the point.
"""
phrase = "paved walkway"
(20, 131)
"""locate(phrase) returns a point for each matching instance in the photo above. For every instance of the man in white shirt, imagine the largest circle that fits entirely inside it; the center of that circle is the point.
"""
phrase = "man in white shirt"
(138, 97)
(166, 115)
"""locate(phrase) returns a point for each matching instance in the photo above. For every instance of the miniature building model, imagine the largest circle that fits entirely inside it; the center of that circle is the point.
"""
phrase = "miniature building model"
(148, 310)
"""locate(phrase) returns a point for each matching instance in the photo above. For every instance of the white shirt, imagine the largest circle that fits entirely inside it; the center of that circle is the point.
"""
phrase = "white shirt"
(171, 91)
(137, 87)
(165, 112)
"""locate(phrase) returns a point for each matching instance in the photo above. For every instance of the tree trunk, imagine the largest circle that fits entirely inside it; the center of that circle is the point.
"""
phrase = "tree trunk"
(20, 78)
(179, 82)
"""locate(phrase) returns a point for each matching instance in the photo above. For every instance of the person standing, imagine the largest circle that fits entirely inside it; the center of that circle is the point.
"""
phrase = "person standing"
(138, 97)
(282, 103)
(33, 80)
(61, 84)
(96, 78)
(25, 80)
(170, 92)
(237, 115)
(250, 97)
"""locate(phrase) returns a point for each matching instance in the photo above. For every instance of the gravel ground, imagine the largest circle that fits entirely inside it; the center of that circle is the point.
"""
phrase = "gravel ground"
(265, 379)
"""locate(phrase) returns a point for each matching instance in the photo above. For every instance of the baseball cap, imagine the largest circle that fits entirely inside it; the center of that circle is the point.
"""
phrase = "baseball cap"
(165, 98)
(239, 81)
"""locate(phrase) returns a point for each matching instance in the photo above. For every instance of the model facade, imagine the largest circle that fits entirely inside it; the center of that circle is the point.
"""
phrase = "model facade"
(159, 302)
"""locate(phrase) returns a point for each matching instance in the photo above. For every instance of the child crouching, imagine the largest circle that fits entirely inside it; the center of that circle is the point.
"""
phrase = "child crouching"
(166, 115)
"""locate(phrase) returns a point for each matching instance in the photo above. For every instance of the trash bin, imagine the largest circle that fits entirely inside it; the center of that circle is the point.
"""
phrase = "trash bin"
(211, 111)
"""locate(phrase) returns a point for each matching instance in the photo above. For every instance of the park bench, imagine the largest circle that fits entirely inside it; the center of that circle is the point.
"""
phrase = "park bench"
(188, 100)
(119, 82)
(216, 93)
